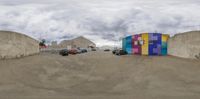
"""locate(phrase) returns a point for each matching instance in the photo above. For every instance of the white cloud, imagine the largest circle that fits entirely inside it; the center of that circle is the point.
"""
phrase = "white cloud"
(103, 21)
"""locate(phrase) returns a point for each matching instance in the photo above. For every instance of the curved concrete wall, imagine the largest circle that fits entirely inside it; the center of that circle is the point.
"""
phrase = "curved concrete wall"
(186, 45)
(14, 45)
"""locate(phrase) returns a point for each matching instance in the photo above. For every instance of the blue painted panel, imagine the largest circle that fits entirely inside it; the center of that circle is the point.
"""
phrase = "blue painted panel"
(164, 48)
(155, 43)
(159, 43)
(129, 45)
(164, 51)
(150, 36)
(151, 49)
(151, 43)
(124, 44)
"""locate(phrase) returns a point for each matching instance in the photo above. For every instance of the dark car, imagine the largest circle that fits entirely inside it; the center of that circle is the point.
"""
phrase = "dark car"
(93, 49)
(106, 50)
(114, 51)
(120, 52)
(64, 52)
(83, 50)
(79, 51)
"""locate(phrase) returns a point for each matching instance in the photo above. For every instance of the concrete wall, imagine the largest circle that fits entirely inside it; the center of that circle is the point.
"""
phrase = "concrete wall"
(14, 45)
(186, 45)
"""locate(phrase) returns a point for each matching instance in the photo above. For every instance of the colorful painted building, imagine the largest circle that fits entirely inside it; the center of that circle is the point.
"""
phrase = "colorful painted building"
(146, 44)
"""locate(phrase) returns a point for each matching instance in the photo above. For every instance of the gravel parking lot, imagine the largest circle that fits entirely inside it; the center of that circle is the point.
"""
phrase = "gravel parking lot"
(99, 75)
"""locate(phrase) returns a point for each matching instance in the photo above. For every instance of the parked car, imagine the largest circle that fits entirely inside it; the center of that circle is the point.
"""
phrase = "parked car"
(79, 51)
(93, 49)
(64, 52)
(83, 50)
(73, 51)
(120, 52)
(107, 50)
(114, 51)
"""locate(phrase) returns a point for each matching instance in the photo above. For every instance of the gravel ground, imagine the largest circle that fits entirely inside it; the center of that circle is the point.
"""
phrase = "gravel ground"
(99, 75)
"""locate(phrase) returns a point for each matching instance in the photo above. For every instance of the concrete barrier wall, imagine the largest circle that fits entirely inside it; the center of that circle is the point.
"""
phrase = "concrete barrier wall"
(15, 45)
(186, 45)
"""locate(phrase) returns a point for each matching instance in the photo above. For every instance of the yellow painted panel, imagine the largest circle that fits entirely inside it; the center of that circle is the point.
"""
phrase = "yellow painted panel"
(145, 46)
(165, 37)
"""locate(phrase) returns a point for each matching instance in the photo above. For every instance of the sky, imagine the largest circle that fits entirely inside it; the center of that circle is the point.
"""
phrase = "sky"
(104, 22)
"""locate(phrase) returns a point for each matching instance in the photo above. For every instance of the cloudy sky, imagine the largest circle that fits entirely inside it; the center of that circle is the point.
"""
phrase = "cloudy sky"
(102, 21)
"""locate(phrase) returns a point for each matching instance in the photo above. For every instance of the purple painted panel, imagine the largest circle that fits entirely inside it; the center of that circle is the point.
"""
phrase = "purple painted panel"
(159, 47)
(136, 45)
(155, 38)
(155, 50)
(151, 36)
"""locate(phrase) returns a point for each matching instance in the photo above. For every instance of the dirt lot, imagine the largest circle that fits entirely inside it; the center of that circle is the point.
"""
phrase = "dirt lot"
(99, 75)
